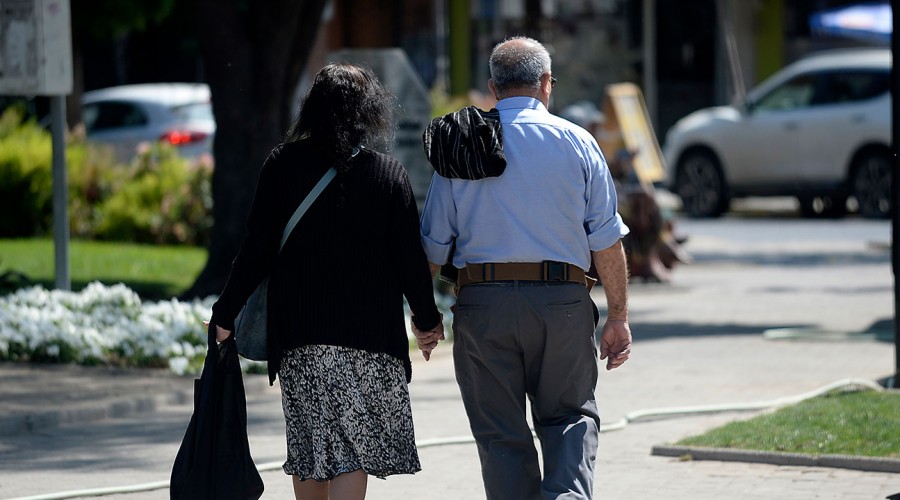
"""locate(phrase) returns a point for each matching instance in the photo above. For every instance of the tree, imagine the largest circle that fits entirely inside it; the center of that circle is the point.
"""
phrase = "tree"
(253, 55)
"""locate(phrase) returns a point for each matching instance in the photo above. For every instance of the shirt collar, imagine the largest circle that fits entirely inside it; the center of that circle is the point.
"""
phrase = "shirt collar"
(520, 102)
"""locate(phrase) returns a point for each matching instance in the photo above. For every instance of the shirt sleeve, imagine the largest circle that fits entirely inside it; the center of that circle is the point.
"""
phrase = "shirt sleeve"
(603, 224)
(439, 221)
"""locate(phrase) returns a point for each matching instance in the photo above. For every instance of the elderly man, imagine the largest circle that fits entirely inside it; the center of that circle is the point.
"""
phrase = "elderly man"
(522, 239)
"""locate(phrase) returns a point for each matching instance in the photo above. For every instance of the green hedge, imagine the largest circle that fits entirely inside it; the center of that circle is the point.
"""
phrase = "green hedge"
(25, 180)
(159, 198)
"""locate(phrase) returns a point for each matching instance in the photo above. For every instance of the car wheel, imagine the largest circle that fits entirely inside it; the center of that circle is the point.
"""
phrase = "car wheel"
(831, 206)
(871, 184)
(701, 185)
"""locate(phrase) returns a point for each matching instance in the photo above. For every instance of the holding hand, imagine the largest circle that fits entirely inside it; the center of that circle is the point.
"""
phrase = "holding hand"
(427, 341)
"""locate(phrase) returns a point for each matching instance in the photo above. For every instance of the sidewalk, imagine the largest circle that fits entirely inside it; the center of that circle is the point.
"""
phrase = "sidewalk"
(698, 341)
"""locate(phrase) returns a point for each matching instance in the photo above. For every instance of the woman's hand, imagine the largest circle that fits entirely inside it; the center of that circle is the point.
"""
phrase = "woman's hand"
(221, 333)
(427, 341)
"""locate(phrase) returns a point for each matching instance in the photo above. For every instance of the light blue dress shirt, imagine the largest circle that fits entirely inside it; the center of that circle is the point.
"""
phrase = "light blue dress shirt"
(555, 201)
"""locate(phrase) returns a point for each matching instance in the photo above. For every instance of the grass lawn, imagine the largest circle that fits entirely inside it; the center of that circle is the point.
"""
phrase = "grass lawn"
(153, 271)
(863, 423)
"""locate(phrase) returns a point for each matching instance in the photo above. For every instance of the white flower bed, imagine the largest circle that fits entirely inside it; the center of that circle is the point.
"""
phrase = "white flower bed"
(103, 325)
(110, 325)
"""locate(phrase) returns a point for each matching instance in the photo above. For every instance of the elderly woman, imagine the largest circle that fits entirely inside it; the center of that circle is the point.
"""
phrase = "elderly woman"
(342, 356)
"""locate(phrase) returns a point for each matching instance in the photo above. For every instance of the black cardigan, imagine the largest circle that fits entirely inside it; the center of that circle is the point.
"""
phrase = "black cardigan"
(342, 274)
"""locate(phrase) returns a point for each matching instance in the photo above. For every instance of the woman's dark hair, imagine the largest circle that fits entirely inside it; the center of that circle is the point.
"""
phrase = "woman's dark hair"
(346, 107)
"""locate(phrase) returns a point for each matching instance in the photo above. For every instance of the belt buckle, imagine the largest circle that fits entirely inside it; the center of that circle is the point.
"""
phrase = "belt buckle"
(555, 271)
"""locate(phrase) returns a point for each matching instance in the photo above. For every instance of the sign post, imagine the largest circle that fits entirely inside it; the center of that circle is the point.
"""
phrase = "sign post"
(63, 280)
(895, 207)
(36, 59)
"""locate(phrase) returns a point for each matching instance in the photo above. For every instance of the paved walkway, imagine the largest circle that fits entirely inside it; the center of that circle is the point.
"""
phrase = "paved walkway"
(698, 341)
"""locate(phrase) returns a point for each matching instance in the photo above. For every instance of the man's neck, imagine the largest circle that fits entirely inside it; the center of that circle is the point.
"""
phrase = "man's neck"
(520, 92)
(527, 95)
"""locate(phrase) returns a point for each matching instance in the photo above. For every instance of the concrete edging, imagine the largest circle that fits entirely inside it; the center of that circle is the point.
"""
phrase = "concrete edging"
(869, 464)
(28, 419)
(19, 423)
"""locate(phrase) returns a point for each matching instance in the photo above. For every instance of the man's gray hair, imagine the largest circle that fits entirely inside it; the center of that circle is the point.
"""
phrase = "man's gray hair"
(518, 65)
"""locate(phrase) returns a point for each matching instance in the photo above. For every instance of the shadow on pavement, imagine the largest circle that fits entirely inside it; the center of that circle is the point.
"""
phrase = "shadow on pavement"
(108, 445)
(792, 259)
(652, 331)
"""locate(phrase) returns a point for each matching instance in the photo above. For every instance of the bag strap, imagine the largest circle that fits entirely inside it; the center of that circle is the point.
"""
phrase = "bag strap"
(311, 197)
(307, 202)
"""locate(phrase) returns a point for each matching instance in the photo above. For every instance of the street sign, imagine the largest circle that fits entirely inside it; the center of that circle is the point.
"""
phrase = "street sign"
(627, 126)
(35, 47)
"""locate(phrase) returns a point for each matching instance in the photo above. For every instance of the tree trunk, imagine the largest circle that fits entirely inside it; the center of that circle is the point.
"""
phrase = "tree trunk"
(533, 16)
(253, 55)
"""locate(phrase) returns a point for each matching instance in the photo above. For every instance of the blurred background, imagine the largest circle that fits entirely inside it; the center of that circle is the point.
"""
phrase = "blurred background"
(714, 113)
(682, 46)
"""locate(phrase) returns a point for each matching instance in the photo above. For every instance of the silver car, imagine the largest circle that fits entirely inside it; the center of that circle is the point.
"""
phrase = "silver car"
(819, 130)
(126, 116)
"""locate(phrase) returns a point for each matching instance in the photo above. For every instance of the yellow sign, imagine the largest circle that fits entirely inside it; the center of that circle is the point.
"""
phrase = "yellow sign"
(627, 129)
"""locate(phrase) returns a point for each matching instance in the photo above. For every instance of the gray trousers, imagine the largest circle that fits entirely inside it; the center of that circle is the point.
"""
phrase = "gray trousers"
(534, 339)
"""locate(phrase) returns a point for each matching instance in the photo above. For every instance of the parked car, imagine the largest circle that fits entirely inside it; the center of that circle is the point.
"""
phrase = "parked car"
(128, 115)
(819, 130)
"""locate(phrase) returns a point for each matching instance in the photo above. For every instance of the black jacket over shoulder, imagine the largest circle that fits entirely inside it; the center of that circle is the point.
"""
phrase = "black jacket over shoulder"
(342, 274)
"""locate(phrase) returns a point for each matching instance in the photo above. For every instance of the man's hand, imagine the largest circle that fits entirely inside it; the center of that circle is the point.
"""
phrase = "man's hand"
(615, 343)
(427, 341)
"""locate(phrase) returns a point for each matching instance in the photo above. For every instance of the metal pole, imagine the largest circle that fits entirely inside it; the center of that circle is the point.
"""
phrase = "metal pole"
(440, 33)
(460, 46)
(726, 20)
(895, 196)
(649, 43)
(60, 193)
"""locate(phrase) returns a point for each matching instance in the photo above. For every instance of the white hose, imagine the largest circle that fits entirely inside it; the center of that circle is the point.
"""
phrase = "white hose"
(428, 443)
(732, 407)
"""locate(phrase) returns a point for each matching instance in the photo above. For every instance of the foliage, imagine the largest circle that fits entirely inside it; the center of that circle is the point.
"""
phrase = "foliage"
(153, 271)
(107, 325)
(161, 198)
(842, 423)
(162, 201)
(102, 325)
(92, 178)
(25, 179)
(443, 103)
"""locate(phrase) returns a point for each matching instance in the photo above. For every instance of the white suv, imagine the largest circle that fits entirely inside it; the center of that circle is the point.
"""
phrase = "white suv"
(819, 130)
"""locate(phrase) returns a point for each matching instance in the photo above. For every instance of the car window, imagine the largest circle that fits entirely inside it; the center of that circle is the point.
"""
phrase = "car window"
(795, 93)
(201, 111)
(839, 87)
(108, 115)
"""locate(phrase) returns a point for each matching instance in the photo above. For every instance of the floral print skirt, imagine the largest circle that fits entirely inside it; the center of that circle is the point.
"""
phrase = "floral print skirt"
(346, 409)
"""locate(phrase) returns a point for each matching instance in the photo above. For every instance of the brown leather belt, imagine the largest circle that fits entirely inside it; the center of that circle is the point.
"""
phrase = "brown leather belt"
(525, 271)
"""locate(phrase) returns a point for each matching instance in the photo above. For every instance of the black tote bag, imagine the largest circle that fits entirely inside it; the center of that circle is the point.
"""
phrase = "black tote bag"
(214, 460)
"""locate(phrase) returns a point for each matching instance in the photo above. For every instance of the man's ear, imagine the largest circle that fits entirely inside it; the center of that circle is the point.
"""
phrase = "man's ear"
(493, 89)
(546, 86)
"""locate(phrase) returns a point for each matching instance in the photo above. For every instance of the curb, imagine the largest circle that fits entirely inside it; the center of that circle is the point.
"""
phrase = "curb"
(17, 424)
(868, 464)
